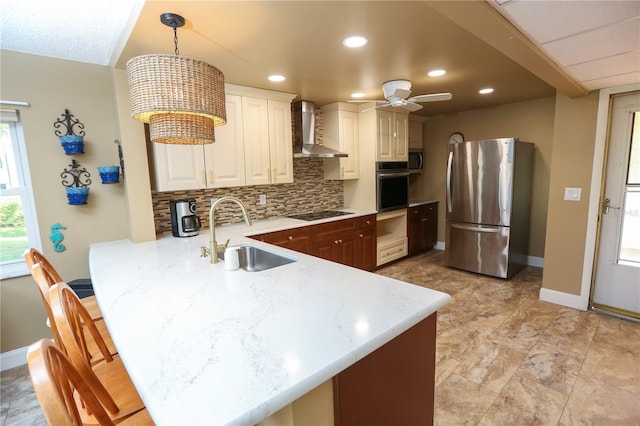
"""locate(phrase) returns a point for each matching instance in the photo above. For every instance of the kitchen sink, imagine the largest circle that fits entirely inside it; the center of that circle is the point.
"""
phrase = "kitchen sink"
(255, 259)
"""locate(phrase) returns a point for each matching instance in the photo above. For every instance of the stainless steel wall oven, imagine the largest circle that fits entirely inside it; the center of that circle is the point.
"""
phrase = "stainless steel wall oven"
(392, 185)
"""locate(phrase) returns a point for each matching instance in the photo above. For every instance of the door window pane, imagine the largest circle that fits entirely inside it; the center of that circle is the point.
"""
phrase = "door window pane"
(633, 175)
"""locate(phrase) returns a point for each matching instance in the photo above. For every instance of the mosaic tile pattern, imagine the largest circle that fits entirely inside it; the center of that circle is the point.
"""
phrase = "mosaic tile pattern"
(503, 357)
(308, 192)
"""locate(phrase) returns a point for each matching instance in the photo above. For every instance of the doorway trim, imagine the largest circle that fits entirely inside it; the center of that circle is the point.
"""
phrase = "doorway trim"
(597, 173)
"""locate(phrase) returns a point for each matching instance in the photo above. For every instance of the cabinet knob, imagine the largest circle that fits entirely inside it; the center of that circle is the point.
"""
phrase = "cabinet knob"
(290, 237)
(361, 236)
(415, 211)
(424, 219)
(335, 242)
(368, 222)
(340, 241)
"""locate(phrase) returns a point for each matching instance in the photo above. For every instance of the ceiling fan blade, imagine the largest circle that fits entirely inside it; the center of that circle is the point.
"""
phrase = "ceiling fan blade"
(410, 106)
(431, 98)
(361, 101)
(377, 106)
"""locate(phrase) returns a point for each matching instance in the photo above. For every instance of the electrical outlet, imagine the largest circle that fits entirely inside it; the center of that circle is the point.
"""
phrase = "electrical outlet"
(262, 200)
(213, 200)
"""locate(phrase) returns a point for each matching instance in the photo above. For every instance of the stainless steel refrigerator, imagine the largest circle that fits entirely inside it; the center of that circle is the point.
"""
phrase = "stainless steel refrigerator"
(488, 200)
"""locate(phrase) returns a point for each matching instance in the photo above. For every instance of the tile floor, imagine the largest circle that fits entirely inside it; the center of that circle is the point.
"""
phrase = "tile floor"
(504, 357)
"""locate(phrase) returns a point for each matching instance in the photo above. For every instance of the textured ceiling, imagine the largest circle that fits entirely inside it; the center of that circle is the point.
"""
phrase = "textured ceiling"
(571, 46)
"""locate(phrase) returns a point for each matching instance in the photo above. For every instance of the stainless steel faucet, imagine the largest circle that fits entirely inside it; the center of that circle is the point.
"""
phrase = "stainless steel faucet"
(214, 248)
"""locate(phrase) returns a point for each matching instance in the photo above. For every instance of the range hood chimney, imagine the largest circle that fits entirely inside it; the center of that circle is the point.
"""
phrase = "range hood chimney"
(304, 144)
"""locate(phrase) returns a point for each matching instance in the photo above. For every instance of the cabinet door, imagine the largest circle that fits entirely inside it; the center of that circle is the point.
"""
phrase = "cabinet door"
(401, 151)
(255, 117)
(179, 167)
(416, 229)
(280, 142)
(385, 143)
(334, 241)
(365, 243)
(349, 136)
(224, 159)
(431, 226)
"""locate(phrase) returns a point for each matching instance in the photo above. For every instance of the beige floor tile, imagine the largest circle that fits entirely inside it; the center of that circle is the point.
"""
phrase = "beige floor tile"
(551, 368)
(571, 332)
(596, 403)
(459, 342)
(459, 401)
(491, 365)
(617, 332)
(613, 365)
(528, 323)
(445, 365)
(525, 402)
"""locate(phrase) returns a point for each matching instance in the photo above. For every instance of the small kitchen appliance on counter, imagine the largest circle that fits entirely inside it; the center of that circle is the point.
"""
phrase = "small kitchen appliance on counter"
(184, 221)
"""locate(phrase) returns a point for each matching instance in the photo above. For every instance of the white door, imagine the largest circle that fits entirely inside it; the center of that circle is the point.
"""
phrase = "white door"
(617, 278)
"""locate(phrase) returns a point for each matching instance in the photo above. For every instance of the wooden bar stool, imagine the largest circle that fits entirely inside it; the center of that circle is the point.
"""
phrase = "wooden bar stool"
(113, 385)
(58, 386)
(33, 256)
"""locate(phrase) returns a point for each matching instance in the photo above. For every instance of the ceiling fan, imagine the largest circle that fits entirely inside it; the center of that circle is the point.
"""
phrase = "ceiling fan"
(396, 92)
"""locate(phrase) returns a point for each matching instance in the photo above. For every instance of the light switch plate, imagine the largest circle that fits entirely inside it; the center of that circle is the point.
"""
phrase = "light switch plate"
(572, 194)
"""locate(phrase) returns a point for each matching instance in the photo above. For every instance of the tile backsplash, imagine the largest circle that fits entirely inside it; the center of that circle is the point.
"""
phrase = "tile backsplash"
(308, 192)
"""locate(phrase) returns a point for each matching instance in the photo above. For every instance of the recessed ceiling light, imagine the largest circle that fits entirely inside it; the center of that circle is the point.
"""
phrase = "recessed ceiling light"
(485, 91)
(355, 41)
(357, 95)
(276, 78)
(436, 73)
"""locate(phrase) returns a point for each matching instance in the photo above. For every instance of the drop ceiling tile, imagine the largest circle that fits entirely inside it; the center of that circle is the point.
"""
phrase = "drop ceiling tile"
(615, 81)
(601, 43)
(546, 21)
(606, 67)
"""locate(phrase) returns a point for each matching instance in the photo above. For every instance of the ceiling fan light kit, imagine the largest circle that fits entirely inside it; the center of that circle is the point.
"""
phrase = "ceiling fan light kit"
(181, 98)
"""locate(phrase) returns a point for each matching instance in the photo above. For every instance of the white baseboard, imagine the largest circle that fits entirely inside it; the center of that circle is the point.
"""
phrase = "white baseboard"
(564, 299)
(14, 358)
(535, 261)
(439, 245)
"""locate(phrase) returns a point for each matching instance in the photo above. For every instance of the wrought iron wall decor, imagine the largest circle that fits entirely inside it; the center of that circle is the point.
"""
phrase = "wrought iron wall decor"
(72, 143)
(75, 176)
(120, 156)
(76, 180)
(69, 122)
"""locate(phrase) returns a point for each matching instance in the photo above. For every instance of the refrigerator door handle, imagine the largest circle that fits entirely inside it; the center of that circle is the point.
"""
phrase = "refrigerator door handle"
(477, 228)
(449, 166)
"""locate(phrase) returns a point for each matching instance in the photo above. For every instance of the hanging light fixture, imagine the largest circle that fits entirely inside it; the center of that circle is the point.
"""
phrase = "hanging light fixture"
(181, 98)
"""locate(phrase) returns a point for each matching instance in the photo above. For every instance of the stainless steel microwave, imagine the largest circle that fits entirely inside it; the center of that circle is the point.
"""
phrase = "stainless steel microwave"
(416, 161)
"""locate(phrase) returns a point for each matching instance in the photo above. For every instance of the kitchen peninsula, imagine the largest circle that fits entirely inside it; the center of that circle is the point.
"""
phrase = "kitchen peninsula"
(204, 345)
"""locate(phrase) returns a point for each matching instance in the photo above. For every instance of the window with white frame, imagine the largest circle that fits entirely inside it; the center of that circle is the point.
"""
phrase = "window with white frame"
(18, 221)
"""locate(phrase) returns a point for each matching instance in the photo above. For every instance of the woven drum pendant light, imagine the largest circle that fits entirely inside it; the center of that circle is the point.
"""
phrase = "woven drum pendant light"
(181, 98)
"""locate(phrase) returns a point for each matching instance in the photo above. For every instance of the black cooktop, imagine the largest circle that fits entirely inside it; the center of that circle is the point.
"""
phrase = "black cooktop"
(324, 214)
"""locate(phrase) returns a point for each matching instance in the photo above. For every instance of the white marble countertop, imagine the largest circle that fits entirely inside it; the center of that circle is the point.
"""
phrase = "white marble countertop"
(208, 346)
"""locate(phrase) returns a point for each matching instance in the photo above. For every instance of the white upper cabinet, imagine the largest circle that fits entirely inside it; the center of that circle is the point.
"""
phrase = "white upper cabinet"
(225, 158)
(392, 136)
(253, 148)
(280, 141)
(415, 132)
(179, 167)
(341, 133)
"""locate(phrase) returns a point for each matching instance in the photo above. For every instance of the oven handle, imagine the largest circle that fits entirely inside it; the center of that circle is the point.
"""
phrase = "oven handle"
(393, 174)
(449, 197)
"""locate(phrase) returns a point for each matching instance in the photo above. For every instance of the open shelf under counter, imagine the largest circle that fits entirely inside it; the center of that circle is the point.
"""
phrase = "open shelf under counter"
(391, 236)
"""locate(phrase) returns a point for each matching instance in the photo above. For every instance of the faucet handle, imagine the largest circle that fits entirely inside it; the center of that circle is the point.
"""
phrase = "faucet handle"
(224, 246)
(204, 252)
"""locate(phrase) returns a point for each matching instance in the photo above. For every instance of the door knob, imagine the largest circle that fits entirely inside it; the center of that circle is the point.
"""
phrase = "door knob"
(607, 205)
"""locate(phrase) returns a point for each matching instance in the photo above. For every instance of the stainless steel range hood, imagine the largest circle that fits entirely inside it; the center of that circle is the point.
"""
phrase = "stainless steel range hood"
(304, 144)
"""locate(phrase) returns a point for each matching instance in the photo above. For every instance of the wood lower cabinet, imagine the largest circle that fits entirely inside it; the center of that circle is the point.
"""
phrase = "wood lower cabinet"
(335, 241)
(394, 385)
(365, 243)
(350, 242)
(422, 227)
